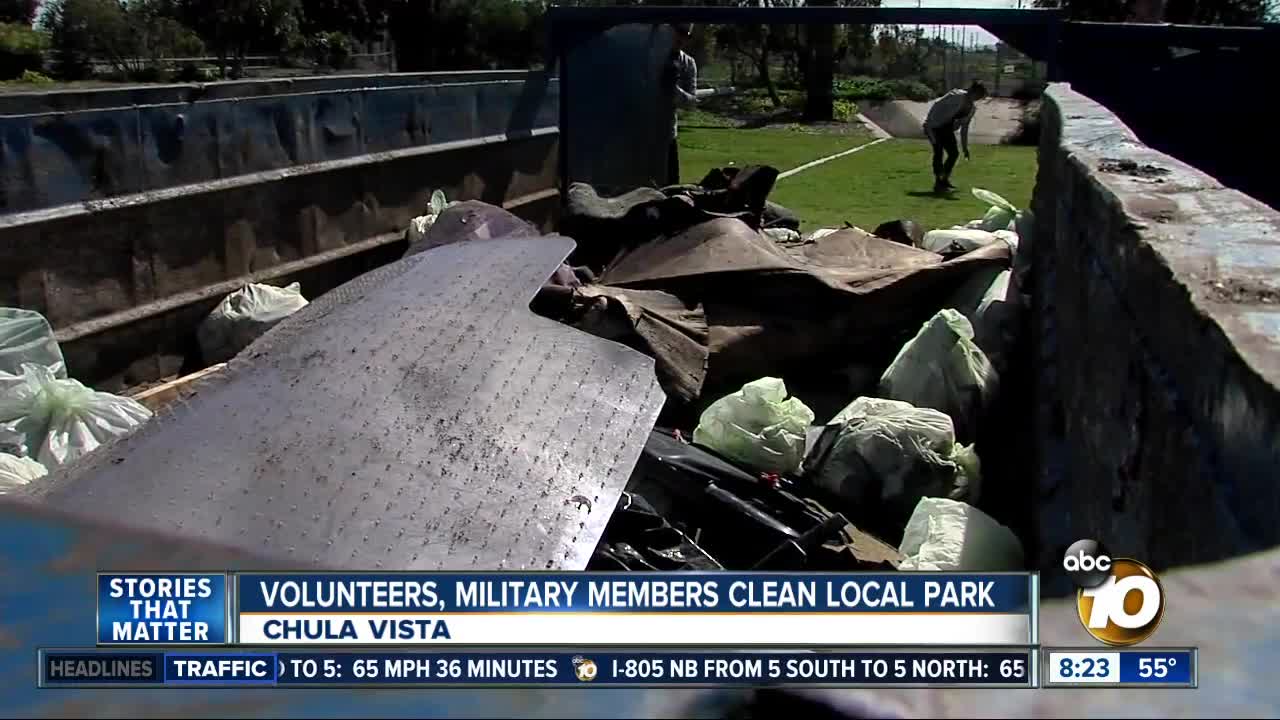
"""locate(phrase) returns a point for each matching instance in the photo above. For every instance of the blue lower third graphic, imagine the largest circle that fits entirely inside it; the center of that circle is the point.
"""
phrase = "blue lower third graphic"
(1165, 667)
(81, 668)
(162, 609)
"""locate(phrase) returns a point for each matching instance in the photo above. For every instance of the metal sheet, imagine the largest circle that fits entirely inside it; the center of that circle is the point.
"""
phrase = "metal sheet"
(419, 417)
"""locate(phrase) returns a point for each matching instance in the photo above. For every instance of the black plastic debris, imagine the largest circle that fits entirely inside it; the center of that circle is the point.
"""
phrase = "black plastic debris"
(638, 538)
(746, 521)
(907, 232)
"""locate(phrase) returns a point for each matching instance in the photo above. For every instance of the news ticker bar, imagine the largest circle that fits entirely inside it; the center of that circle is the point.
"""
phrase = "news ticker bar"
(1132, 667)
(98, 668)
(541, 610)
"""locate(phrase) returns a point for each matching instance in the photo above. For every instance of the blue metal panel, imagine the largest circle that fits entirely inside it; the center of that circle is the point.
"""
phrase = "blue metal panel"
(395, 118)
(59, 158)
(80, 156)
(619, 114)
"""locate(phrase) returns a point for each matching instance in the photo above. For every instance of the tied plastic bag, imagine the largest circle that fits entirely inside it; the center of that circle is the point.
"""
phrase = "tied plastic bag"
(1000, 215)
(758, 427)
(987, 299)
(18, 471)
(243, 316)
(419, 226)
(57, 420)
(944, 369)
(887, 452)
(949, 536)
(26, 337)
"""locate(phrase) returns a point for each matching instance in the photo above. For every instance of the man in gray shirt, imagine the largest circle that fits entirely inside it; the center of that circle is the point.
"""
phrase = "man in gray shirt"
(951, 112)
(684, 78)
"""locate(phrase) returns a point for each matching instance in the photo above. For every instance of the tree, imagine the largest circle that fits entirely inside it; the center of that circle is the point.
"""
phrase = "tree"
(22, 12)
(905, 52)
(361, 19)
(232, 28)
(74, 34)
(1192, 12)
(1216, 12)
(752, 42)
(135, 38)
(465, 35)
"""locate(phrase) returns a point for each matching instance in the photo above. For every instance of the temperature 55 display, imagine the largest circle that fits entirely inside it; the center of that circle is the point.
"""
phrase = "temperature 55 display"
(1161, 667)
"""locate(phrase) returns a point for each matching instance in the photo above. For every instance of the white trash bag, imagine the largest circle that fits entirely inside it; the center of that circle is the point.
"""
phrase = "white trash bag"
(758, 427)
(245, 315)
(16, 472)
(949, 536)
(889, 452)
(419, 226)
(784, 236)
(57, 420)
(944, 369)
(988, 300)
(1000, 215)
(821, 233)
(26, 337)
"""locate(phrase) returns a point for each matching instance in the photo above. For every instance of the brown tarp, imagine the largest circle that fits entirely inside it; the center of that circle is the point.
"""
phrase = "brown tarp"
(723, 305)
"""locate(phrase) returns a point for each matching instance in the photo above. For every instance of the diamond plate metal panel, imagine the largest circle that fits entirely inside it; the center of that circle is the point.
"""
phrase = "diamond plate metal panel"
(419, 417)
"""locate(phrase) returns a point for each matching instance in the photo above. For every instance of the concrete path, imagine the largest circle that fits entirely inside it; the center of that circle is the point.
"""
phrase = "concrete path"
(995, 121)
(829, 158)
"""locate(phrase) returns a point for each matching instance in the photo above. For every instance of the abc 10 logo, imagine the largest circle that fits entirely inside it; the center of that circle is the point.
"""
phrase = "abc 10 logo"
(1120, 601)
(585, 669)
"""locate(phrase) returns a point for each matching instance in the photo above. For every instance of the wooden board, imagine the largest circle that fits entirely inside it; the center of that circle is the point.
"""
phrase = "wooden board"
(161, 395)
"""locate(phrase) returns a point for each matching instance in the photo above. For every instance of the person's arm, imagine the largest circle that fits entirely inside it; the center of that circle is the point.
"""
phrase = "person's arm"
(964, 130)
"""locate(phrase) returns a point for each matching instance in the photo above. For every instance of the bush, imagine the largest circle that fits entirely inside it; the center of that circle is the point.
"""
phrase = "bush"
(147, 74)
(911, 90)
(31, 77)
(331, 48)
(21, 50)
(844, 110)
(878, 90)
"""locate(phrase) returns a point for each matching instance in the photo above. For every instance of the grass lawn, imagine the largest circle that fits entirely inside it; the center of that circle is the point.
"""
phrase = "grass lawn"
(893, 180)
(703, 148)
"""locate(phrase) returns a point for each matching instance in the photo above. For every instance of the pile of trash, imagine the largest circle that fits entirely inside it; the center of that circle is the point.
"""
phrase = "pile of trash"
(47, 419)
(825, 390)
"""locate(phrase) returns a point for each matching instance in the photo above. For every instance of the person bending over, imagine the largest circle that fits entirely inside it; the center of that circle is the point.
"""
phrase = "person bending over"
(951, 112)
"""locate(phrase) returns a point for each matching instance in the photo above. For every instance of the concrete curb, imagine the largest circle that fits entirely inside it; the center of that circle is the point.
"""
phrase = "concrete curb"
(829, 158)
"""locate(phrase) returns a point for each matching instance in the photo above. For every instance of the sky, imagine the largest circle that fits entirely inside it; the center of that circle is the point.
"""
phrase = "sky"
(975, 33)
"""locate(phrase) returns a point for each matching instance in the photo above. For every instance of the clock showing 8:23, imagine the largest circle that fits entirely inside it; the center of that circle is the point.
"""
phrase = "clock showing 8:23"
(1084, 667)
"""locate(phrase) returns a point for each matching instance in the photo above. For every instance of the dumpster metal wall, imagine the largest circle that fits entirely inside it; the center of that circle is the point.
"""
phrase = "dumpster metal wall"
(619, 111)
(55, 158)
(1160, 377)
(165, 209)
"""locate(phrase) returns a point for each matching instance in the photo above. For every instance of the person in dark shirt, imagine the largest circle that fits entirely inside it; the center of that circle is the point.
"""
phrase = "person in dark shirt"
(948, 113)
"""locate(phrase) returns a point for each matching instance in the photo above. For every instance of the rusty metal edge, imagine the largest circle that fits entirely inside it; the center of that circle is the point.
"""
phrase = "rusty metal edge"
(140, 312)
(305, 93)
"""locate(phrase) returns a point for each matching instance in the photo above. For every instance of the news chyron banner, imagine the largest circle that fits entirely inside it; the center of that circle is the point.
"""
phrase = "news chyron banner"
(747, 610)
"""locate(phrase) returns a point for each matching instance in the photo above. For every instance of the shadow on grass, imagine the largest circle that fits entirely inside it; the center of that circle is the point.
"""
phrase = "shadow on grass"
(947, 195)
